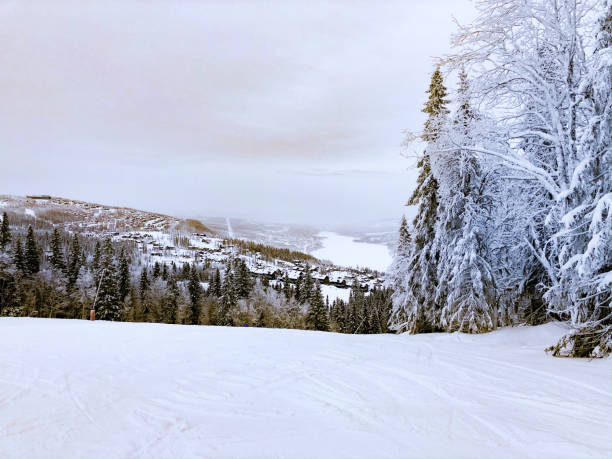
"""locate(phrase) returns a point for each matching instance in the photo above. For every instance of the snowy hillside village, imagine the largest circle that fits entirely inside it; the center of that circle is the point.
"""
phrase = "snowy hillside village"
(157, 246)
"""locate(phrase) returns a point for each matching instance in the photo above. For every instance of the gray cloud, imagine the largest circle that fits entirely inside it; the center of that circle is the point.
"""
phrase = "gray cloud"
(183, 89)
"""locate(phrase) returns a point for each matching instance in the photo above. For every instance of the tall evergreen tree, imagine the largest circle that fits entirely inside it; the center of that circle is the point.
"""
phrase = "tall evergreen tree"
(32, 258)
(74, 263)
(298, 288)
(195, 293)
(216, 285)
(228, 300)
(414, 308)
(18, 258)
(124, 276)
(317, 318)
(466, 289)
(307, 285)
(107, 298)
(57, 256)
(287, 287)
(5, 232)
(95, 264)
(108, 301)
(144, 284)
(243, 280)
(156, 270)
(170, 302)
(164, 274)
(186, 271)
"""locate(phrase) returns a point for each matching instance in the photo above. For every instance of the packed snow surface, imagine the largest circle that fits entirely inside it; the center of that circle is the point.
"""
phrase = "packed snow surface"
(73, 388)
(346, 251)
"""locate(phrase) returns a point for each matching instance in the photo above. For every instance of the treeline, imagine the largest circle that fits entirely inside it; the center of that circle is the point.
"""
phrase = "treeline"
(514, 195)
(269, 252)
(52, 273)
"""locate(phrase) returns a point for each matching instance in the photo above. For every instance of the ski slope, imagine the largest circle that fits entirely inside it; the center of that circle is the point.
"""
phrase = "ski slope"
(71, 389)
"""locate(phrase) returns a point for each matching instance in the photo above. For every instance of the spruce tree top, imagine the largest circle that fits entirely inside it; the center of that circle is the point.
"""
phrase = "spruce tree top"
(404, 234)
(435, 105)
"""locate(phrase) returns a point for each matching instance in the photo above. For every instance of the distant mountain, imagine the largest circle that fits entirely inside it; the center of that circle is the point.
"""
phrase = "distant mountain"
(77, 215)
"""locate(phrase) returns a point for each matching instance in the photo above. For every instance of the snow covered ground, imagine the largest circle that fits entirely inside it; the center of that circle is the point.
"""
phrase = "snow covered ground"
(332, 292)
(346, 251)
(99, 390)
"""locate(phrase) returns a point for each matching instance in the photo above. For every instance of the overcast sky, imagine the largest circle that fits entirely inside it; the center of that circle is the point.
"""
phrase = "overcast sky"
(270, 110)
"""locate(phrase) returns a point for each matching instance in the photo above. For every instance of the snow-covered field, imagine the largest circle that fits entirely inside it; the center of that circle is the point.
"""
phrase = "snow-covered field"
(346, 251)
(122, 390)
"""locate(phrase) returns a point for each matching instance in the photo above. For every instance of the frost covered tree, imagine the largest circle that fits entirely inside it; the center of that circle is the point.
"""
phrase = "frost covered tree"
(144, 284)
(521, 225)
(5, 232)
(57, 256)
(124, 281)
(74, 263)
(156, 270)
(107, 302)
(465, 288)
(228, 300)
(18, 258)
(195, 293)
(401, 256)
(244, 283)
(170, 302)
(414, 309)
(541, 68)
(317, 317)
(31, 256)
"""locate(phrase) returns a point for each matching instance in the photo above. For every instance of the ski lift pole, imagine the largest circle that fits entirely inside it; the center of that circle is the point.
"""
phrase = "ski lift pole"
(92, 311)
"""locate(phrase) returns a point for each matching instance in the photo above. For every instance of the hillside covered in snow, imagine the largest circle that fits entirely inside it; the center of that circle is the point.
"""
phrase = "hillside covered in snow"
(62, 258)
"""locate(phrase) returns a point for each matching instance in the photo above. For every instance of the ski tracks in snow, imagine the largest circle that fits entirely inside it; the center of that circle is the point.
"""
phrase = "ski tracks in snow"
(101, 390)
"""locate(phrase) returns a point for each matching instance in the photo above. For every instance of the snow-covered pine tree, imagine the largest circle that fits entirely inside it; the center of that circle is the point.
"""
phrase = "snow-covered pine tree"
(465, 288)
(543, 72)
(170, 302)
(156, 270)
(287, 290)
(586, 275)
(317, 317)
(31, 256)
(195, 293)
(228, 300)
(18, 258)
(414, 309)
(5, 232)
(298, 288)
(124, 281)
(217, 285)
(144, 283)
(107, 300)
(308, 285)
(57, 255)
(401, 258)
(244, 283)
(74, 263)
(164, 273)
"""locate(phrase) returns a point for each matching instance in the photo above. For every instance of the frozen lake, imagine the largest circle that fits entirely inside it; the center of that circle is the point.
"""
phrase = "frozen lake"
(345, 251)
